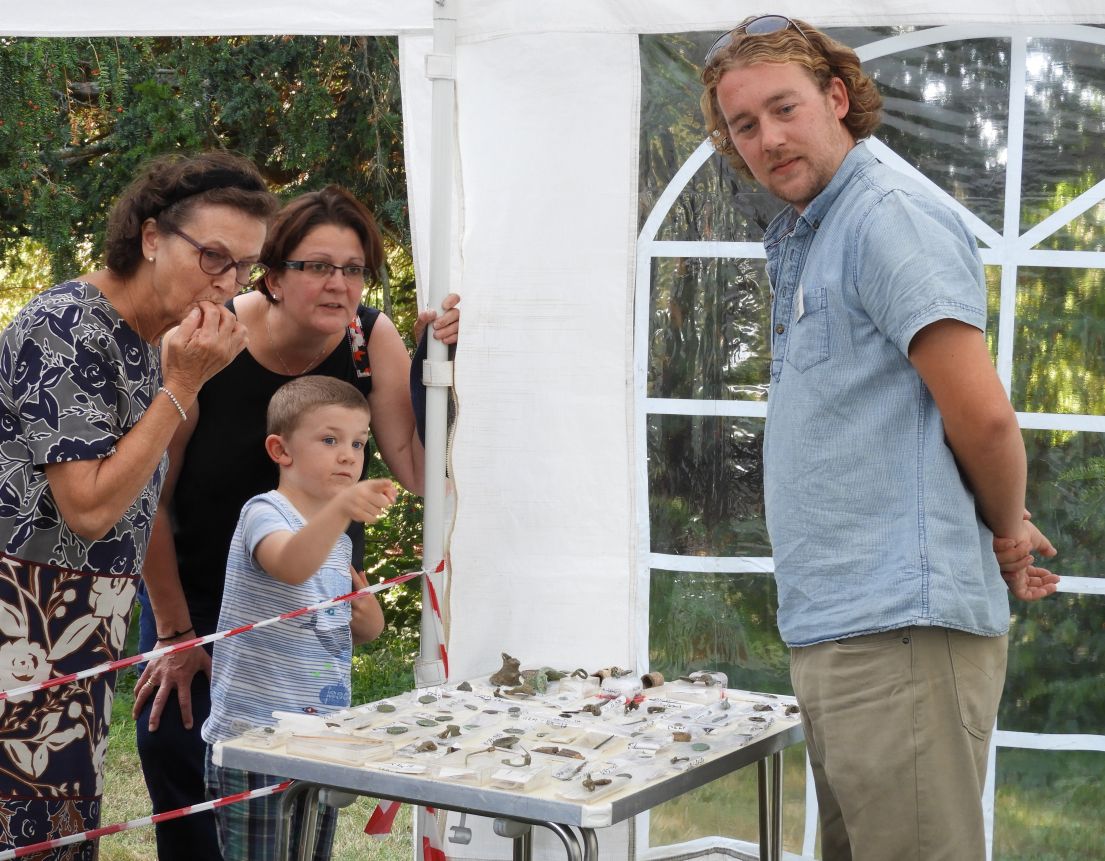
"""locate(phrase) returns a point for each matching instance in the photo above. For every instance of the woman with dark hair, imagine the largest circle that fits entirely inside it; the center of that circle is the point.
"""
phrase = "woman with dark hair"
(304, 318)
(88, 405)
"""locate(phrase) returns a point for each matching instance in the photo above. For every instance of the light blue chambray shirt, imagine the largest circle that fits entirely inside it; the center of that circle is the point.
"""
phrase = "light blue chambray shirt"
(871, 525)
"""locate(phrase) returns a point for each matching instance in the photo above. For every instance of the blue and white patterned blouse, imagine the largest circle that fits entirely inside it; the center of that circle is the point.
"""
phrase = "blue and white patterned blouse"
(74, 378)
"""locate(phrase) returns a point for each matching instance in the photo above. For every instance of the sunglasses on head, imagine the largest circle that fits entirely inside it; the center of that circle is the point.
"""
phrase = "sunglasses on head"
(756, 27)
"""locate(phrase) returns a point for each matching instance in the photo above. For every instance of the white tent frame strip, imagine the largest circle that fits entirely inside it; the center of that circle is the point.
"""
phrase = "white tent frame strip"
(522, 125)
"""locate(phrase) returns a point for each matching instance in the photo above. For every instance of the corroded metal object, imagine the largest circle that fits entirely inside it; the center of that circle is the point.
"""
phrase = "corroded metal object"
(508, 674)
(538, 680)
(592, 783)
(519, 760)
(652, 680)
(553, 750)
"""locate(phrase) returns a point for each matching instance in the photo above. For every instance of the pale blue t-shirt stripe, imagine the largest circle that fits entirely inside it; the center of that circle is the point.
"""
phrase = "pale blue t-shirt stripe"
(302, 664)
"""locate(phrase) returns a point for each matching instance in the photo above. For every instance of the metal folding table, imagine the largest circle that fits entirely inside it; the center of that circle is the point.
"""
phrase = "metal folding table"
(574, 822)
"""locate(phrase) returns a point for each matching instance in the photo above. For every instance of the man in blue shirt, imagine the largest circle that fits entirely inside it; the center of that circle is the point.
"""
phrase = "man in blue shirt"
(894, 469)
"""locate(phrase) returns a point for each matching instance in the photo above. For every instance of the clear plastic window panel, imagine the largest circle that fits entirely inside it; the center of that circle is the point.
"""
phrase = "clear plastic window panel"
(1066, 493)
(727, 808)
(717, 204)
(1055, 682)
(708, 329)
(945, 111)
(709, 621)
(705, 477)
(993, 308)
(1064, 138)
(1059, 341)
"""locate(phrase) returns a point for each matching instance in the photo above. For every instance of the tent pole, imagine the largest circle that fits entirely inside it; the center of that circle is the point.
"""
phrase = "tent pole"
(430, 668)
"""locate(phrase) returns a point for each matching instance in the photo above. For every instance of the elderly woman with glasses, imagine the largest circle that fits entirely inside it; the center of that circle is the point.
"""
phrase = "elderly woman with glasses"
(306, 317)
(96, 375)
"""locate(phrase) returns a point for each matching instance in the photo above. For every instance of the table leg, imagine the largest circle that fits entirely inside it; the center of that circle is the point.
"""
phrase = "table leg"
(308, 825)
(522, 835)
(777, 806)
(764, 803)
(523, 846)
(287, 806)
(590, 844)
(571, 845)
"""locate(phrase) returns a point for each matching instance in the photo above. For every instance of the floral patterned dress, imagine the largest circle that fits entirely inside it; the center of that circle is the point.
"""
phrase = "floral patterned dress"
(74, 377)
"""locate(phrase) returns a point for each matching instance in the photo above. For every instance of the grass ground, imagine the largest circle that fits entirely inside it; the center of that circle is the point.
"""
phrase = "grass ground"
(377, 674)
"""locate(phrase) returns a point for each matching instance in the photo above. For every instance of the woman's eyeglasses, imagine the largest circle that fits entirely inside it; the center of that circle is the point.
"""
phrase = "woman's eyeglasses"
(215, 262)
(353, 273)
(756, 27)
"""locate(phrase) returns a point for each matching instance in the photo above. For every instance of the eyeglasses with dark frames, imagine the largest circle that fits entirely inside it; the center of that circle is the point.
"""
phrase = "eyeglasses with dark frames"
(756, 27)
(215, 262)
(351, 272)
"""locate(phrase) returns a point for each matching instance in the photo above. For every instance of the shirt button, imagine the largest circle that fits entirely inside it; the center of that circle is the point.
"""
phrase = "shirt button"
(780, 329)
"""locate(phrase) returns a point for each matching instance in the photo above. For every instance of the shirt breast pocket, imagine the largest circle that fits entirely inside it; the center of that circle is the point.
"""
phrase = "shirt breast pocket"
(808, 343)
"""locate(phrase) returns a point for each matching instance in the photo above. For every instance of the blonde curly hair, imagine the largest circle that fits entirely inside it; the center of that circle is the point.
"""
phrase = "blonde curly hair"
(799, 43)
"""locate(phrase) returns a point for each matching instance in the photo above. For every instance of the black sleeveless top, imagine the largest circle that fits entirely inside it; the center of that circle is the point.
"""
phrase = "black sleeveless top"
(225, 464)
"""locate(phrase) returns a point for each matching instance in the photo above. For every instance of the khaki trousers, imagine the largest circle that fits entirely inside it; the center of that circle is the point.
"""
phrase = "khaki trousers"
(898, 728)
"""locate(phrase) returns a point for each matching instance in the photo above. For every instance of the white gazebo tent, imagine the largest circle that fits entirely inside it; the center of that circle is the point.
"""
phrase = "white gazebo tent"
(530, 213)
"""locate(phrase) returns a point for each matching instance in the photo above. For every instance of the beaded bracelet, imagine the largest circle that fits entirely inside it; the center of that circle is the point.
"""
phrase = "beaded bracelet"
(176, 403)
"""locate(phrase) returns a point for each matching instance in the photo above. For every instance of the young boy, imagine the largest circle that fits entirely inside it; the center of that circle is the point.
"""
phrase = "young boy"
(290, 550)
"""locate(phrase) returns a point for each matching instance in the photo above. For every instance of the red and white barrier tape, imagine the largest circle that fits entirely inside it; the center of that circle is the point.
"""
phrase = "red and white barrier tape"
(431, 822)
(109, 666)
(201, 641)
(96, 833)
(439, 623)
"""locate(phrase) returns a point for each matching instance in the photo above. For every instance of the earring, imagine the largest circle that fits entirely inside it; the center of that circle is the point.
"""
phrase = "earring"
(150, 259)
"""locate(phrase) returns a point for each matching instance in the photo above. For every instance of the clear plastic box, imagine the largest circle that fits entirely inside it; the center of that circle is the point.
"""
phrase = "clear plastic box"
(347, 750)
(519, 779)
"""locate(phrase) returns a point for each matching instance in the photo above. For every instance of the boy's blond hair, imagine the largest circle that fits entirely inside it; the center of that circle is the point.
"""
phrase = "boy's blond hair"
(295, 399)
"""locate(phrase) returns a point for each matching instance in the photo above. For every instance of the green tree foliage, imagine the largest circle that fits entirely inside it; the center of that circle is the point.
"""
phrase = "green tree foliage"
(78, 116)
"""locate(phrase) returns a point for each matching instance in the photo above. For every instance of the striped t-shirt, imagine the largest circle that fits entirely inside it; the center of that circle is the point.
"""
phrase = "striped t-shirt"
(302, 664)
